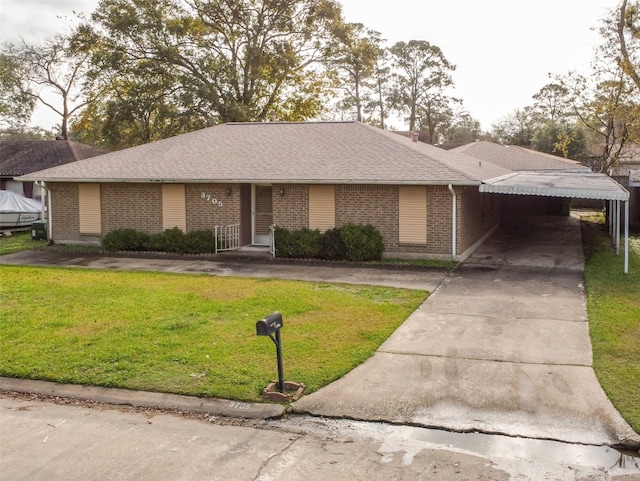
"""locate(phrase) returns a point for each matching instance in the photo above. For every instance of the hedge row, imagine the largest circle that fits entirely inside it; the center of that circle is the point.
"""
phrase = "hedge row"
(171, 240)
(350, 242)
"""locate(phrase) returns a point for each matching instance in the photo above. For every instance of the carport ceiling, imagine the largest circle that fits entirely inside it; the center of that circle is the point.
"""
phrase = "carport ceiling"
(557, 184)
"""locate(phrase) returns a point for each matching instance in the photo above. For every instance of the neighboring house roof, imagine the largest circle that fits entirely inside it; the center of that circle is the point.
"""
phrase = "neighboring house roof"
(519, 158)
(19, 157)
(302, 152)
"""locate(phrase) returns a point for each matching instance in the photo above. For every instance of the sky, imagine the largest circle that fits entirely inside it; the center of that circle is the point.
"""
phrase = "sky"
(503, 50)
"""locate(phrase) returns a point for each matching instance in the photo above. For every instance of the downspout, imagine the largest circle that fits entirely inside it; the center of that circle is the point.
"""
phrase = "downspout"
(454, 221)
(46, 207)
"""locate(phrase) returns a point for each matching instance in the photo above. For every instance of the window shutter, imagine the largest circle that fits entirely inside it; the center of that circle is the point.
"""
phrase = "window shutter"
(413, 215)
(89, 209)
(322, 207)
(174, 207)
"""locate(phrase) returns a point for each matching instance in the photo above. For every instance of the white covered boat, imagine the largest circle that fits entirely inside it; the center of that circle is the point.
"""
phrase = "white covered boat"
(18, 211)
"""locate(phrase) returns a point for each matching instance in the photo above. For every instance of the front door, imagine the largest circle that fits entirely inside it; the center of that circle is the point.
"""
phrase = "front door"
(262, 214)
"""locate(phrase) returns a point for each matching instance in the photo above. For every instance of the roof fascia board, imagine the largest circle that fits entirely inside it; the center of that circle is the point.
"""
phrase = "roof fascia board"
(584, 193)
(249, 181)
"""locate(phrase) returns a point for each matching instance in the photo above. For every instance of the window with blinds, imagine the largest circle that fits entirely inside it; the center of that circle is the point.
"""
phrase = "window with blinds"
(89, 209)
(412, 213)
(174, 207)
(322, 207)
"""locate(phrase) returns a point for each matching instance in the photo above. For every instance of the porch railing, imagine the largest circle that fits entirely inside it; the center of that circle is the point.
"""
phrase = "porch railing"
(272, 240)
(227, 237)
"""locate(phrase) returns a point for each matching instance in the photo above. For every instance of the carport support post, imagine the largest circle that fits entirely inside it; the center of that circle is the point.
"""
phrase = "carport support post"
(617, 236)
(626, 237)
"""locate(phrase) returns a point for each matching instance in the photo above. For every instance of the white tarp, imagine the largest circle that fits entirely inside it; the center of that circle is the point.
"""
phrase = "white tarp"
(10, 202)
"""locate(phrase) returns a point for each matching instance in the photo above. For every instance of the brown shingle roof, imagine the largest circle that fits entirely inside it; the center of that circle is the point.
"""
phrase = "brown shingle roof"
(331, 152)
(518, 158)
(19, 157)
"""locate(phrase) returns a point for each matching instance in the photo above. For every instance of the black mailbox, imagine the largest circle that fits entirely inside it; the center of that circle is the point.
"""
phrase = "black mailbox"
(269, 325)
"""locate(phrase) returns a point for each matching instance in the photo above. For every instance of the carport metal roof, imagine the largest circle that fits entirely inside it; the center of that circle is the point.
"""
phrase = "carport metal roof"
(570, 185)
(558, 184)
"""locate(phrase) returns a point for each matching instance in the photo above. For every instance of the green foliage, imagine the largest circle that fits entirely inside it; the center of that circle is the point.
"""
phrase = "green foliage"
(300, 244)
(186, 334)
(200, 242)
(422, 72)
(350, 242)
(332, 247)
(171, 240)
(160, 67)
(16, 103)
(362, 243)
(20, 241)
(613, 303)
(125, 240)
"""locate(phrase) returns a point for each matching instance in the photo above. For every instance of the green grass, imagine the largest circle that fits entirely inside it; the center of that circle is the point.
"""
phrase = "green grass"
(613, 303)
(187, 334)
(20, 241)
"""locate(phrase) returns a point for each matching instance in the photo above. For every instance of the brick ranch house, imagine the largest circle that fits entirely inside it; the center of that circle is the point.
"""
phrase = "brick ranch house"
(425, 201)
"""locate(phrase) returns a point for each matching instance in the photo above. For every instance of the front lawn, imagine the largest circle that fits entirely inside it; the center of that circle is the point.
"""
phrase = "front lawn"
(187, 334)
(613, 303)
(19, 241)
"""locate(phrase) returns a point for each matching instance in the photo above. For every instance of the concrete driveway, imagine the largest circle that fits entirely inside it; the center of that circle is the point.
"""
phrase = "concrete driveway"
(502, 346)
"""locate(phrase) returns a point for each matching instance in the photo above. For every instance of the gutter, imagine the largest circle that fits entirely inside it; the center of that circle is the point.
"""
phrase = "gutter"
(454, 209)
(253, 181)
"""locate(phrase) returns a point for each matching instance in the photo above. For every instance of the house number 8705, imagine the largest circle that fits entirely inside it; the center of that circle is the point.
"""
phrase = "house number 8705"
(212, 199)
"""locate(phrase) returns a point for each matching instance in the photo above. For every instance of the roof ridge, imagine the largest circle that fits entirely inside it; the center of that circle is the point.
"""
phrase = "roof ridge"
(419, 146)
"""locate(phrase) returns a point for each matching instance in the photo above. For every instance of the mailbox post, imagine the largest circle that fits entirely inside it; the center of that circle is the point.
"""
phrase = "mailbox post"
(270, 326)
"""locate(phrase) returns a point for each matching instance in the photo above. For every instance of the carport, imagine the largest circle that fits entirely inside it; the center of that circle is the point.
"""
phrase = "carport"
(573, 186)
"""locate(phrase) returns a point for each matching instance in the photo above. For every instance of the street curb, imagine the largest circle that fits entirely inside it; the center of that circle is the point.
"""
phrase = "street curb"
(213, 406)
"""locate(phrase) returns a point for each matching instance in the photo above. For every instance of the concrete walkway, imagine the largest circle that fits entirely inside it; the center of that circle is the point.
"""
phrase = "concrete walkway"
(501, 347)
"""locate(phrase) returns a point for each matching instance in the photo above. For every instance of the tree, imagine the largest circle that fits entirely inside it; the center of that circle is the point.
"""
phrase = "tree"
(16, 102)
(627, 29)
(228, 60)
(551, 103)
(517, 128)
(608, 108)
(462, 129)
(421, 72)
(53, 73)
(556, 130)
(354, 55)
(377, 104)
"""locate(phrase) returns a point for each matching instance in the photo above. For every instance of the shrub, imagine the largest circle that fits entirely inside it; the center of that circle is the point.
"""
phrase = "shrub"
(332, 247)
(300, 244)
(125, 240)
(171, 240)
(363, 243)
(351, 242)
(282, 238)
(199, 242)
